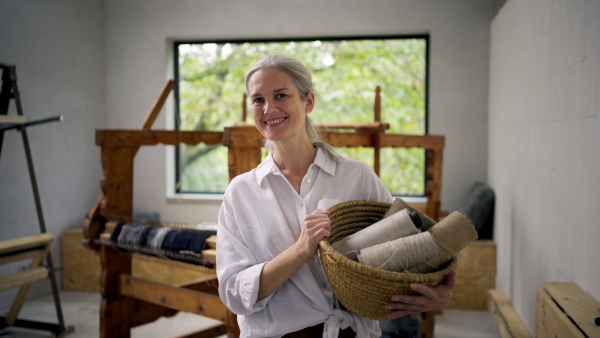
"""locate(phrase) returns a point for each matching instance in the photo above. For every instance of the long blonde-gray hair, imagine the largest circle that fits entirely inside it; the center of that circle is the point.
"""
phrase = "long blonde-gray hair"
(303, 81)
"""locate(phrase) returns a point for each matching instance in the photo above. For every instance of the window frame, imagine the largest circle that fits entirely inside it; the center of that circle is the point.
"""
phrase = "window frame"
(174, 191)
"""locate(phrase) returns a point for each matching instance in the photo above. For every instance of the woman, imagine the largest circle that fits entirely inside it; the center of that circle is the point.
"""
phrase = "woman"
(273, 218)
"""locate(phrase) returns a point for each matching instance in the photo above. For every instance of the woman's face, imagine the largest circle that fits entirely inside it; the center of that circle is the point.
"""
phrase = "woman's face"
(277, 108)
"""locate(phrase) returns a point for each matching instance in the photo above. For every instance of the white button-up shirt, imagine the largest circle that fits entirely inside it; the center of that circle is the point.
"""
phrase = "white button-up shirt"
(261, 216)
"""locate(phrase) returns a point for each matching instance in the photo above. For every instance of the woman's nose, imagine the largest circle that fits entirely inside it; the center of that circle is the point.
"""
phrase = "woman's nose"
(269, 107)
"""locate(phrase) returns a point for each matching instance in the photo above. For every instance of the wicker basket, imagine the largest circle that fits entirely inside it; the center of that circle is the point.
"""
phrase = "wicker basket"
(362, 289)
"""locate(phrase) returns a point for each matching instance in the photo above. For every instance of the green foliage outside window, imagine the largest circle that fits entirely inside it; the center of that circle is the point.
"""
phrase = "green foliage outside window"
(345, 72)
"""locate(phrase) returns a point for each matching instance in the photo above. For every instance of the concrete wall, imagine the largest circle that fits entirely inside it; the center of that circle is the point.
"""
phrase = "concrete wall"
(58, 50)
(544, 146)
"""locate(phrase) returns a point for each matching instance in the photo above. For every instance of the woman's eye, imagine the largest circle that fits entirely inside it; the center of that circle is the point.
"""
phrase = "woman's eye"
(258, 100)
(280, 96)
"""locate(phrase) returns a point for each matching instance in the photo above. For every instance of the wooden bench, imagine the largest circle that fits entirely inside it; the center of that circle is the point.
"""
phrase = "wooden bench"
(566, 310)
(36, 249)
(506, 318)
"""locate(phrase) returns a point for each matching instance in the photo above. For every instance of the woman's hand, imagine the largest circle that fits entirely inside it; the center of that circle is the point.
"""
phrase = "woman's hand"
(276, 271)
(315, 227)
(430, 299)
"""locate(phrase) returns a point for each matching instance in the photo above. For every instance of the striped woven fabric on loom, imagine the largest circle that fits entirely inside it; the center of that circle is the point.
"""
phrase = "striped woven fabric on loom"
(184, 244)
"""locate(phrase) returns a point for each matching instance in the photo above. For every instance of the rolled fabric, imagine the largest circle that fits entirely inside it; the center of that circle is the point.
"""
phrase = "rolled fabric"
(397, 225)
(451, 235)
(399, 204)
(400, 254)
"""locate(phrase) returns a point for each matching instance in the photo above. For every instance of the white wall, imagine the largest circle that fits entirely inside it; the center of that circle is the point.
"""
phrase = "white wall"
(544, 146)
(57, 47)
(137, 63)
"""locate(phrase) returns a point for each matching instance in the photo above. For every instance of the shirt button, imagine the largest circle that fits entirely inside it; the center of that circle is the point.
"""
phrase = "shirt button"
(324, 285)
(308, 180)
(301, 204)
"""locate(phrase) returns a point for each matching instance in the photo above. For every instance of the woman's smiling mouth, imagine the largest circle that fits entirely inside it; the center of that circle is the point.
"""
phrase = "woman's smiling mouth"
(275, 121)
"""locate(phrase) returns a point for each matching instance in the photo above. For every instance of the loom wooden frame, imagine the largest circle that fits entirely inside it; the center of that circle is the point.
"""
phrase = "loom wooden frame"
(128, 301)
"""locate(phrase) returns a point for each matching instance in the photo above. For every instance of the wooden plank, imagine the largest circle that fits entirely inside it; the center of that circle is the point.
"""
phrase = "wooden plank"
(506, 318)
(475, 275)
(144, 312)
(207, 285)
(157, 105)
(208, 332)
(23, 243)
(210, 255)
(172, 272)
(10, 119)
(419, 141)
(577, 305)
(21, 256)
(550, 320)
(15, 308)
(360, 138)
(200, 303)
(358, 125)
(137, 138)
(211, 242)
(23, 278)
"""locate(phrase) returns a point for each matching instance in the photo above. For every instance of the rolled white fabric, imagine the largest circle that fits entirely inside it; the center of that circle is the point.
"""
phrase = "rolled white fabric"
(395, 226)
(400, 254)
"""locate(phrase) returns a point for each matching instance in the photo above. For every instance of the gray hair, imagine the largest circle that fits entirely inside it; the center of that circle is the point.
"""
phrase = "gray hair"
(303, 81)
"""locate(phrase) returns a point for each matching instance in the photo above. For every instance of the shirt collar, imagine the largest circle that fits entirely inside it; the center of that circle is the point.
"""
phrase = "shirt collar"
(268, 166)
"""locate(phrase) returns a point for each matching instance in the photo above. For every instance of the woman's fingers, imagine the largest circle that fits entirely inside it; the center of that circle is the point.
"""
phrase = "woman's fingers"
(316, 226)
(429, 299)
(317, 221)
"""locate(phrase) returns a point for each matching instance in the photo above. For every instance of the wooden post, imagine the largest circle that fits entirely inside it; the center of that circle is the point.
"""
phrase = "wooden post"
(377, 107)
(244, 145)
(377, 134)
(117, 181)
(433, 186)
(244, 113)
(115, 309)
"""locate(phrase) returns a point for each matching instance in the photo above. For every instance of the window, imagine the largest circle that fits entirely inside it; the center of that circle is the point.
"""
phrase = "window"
(210, 79)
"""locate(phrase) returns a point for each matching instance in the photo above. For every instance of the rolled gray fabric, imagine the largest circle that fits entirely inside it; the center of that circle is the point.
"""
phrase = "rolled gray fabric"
(400, 254)
(396, 226)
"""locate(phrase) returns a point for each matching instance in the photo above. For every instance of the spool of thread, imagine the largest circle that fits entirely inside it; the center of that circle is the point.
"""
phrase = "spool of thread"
(400, 254)
(451, 235)
(398, 225)
(398, 205)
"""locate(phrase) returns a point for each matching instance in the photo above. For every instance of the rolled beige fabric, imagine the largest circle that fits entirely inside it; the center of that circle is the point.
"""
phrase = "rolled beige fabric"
(396, 226)
(451, 235)
(400, 254)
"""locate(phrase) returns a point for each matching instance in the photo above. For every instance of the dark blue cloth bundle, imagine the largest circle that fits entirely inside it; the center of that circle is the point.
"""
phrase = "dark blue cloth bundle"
(165, 238)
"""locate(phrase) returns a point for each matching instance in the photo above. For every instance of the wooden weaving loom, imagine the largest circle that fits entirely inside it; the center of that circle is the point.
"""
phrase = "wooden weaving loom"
(128, 301)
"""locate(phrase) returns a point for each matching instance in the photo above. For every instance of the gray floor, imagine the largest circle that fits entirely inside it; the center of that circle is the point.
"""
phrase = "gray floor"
(81, 310)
